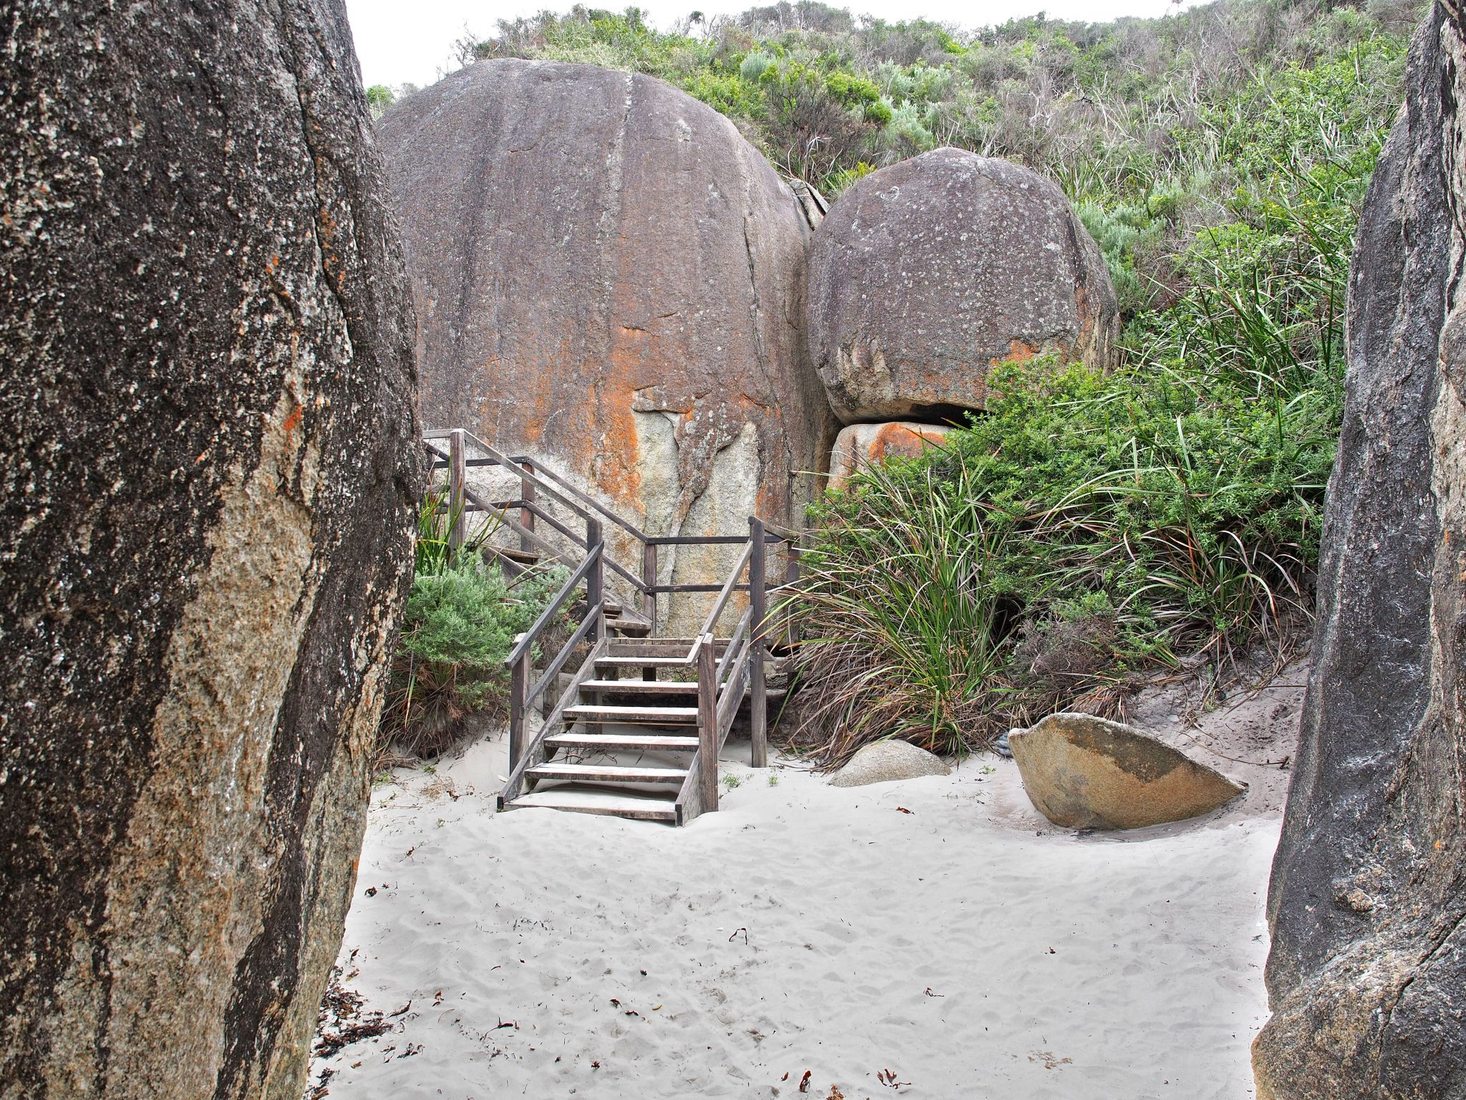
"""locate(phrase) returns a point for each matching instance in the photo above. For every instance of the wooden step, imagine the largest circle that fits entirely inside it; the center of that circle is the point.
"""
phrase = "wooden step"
(625, 622)
(597, 802)
(641, 662)
(512, 553)
(658, 647)
(630, 742)
(668, 716)
(607, 773)
(642, 687)
(654, 645)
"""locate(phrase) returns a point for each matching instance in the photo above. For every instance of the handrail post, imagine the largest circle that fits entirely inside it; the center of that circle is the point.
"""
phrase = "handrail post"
(595, 580)
(649, 579)
(526, 515)
(707, 723)
(792, 572)
(758, 714)
(518, 685)
(457, 479)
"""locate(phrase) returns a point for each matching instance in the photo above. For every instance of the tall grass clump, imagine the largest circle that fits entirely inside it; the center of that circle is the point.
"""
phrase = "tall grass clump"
(461, 618)
(909, 576)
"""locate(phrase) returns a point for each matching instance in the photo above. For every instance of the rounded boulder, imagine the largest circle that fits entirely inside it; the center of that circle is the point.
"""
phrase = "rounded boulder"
(1083, 772)
(927, 274)
(887, 762)
(608, 276)
(861, 446)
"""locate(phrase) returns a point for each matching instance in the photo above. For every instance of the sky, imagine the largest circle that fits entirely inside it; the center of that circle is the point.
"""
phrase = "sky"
(411, 42)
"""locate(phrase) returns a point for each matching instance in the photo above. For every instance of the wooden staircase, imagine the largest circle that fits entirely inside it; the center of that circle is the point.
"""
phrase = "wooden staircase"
(629, 739)
(620, 721)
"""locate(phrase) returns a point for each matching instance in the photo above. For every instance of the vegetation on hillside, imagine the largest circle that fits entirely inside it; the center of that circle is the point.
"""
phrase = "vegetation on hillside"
(1088, 527)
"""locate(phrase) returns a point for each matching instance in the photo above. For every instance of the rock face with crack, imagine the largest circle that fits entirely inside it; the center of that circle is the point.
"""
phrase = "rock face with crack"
(927, 273)
(609, 275)
(1083, 772)
(209, 464)
(1367, 975)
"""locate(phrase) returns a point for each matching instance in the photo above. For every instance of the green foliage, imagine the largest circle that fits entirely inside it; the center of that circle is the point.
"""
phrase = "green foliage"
(457, 629)
(1155, 124)
(901, 607)
(379, 98)
(1088, 525)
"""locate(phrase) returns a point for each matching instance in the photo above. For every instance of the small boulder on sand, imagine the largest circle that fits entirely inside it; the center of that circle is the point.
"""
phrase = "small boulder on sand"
(886, 761)
(1083, 772)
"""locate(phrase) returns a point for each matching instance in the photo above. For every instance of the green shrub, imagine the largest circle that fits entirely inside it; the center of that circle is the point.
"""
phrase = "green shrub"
(457, 629)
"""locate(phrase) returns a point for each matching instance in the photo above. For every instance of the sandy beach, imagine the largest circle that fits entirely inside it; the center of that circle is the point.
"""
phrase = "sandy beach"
(934, 938)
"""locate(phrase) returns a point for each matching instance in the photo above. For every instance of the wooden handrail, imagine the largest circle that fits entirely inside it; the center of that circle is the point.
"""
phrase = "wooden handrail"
(528, 638)
(640, 576)
(734, 642)
(587, 626)
(539, 474)
(522, 758)
(721, 602)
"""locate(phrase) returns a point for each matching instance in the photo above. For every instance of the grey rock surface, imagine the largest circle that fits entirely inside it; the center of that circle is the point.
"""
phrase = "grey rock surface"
(927, 273)
(209, 465)
(1083, 772)
(610, 276)
(1367, 974)
(886, 762)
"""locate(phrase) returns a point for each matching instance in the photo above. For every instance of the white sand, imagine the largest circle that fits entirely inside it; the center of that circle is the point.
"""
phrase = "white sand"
(967, 946)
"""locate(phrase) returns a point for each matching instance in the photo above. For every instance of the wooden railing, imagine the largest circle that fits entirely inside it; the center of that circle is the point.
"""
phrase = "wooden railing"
(458, 451)
(525, 695)
(723, 682)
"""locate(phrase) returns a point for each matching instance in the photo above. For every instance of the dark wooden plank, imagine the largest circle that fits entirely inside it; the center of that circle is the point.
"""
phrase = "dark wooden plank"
(630, 741)
(643, 687)
(758, 703)
(707, 725)
(667, 716)
(640, 809)
(457, 481)
(689, 798)
(608, 773)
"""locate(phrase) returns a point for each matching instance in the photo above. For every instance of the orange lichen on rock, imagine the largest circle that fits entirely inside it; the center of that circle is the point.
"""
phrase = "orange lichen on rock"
(623, 302)
(1019, 351)
(862, 445)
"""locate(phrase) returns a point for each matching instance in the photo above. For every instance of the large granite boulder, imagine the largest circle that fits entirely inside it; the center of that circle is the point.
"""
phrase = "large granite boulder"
(860, 446)
(1367, 975)
(609, 276)
(209, 464)
(1083, 772)
(927, 273)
